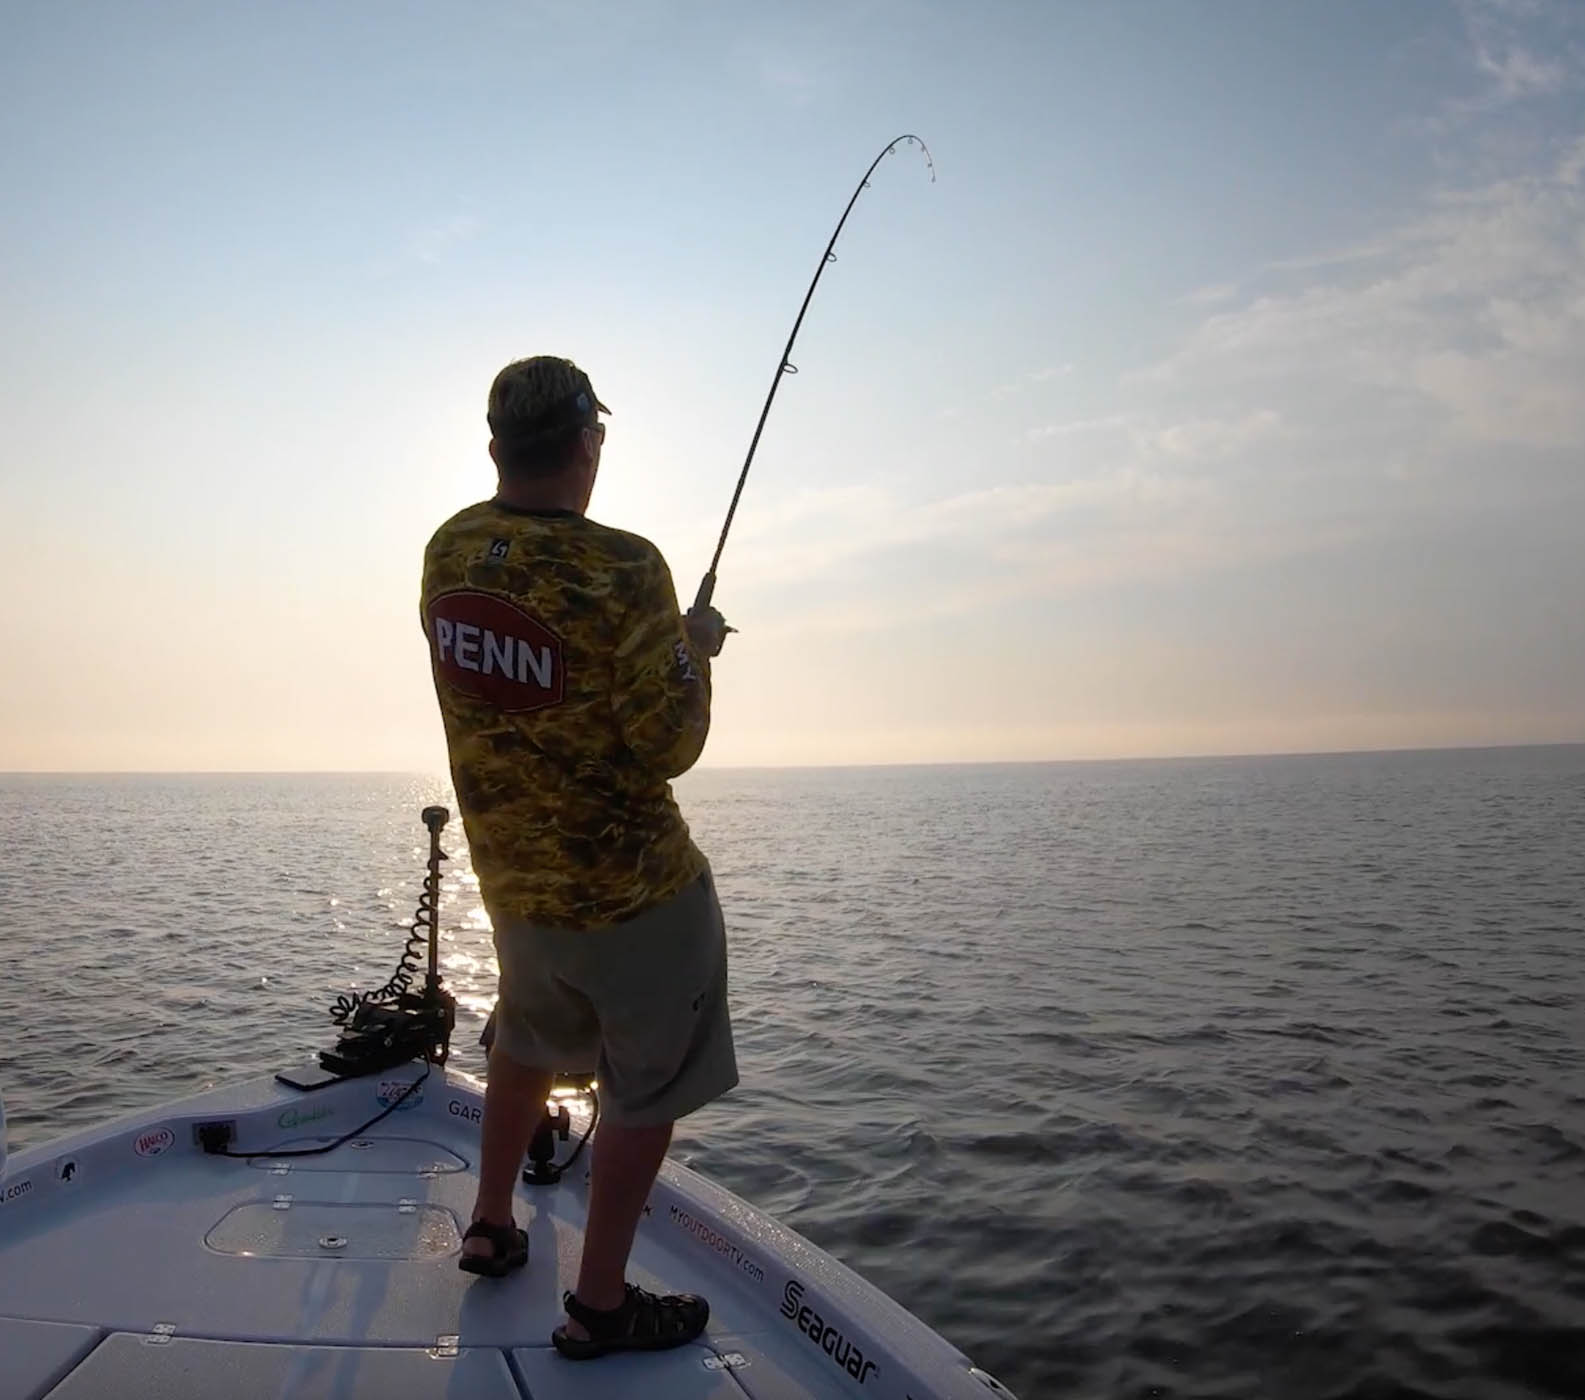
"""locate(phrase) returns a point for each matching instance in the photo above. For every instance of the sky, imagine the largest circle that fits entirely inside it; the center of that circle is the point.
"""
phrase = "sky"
(1223, 393)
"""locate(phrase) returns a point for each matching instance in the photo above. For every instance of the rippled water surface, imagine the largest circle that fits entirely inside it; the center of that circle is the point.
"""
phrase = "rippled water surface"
(1218, 1078)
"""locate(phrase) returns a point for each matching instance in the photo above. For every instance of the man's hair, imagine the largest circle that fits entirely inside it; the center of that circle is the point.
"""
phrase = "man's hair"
(538, 407)
(527, 456)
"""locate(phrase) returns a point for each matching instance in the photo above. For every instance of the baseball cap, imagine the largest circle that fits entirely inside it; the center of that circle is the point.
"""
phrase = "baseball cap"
(541, 394)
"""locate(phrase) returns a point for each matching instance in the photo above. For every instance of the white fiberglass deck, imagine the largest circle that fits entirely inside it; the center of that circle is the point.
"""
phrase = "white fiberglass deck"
(133, 1265)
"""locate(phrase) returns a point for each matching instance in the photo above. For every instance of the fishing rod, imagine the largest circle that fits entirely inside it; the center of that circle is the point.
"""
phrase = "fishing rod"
(785, 365)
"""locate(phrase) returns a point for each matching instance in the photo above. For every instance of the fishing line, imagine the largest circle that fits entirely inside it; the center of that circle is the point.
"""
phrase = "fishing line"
(785, 364)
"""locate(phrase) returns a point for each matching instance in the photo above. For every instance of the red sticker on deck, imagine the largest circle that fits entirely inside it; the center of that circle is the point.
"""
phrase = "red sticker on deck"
(490, 649)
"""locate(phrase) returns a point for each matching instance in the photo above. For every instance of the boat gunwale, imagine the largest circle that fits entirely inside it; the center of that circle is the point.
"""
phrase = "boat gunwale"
(784, 1277)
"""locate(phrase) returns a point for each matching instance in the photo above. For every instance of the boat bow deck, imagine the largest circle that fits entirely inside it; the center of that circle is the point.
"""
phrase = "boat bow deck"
(133, 1264)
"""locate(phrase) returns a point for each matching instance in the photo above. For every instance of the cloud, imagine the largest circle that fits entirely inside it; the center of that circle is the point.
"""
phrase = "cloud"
(1030, 378)
(1022, 383)
(1137, 528)
(1110, 423)
(427, 245)
(1381, 395)
(1202, 439)
(1518, 73)
(1186, 440)
(794, 81)
(1211, 295)
(1519, 51)
(816, 532)
(1572, 167)
(1470, 318)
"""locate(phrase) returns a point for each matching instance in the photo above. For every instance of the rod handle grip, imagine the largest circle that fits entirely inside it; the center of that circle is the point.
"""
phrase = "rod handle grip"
(706, 592)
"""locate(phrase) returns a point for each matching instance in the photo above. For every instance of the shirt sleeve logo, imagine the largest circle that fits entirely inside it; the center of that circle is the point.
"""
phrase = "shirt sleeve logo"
(685, 669)
(489, 649)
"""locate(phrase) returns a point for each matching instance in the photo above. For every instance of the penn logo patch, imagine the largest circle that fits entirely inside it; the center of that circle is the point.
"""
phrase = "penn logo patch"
(490, 649)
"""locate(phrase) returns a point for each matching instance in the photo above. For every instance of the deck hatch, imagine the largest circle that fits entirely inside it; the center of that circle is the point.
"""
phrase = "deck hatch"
(380, 1230)
(194, 1369)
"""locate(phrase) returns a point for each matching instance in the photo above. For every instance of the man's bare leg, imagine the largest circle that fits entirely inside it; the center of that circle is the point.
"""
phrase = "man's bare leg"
(626, 1162)
(514, 1101)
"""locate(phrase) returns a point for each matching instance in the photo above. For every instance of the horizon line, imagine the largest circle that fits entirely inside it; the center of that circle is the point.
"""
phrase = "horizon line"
(1205, 756)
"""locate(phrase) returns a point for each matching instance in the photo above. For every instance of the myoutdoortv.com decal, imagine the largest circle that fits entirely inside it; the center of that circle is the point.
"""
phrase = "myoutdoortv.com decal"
(713, 1239)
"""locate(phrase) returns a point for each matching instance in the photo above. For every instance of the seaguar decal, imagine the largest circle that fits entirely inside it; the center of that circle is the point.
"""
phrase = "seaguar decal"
(846, 1354)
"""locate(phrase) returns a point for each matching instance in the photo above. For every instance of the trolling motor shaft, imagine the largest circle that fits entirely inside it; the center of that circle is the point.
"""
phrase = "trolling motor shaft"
(435, 819)
(394, 1024)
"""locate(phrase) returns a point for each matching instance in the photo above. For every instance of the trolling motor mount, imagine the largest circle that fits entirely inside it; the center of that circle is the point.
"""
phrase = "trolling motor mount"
(542, 1168)
(394, 1025)
(555, 1123)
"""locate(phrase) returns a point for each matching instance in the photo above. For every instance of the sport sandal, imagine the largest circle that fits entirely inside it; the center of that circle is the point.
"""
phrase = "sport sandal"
(643, 1322)
(508, 1246)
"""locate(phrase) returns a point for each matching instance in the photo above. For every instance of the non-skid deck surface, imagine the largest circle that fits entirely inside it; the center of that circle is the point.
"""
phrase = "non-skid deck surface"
(337, 1276)
(135, 1267)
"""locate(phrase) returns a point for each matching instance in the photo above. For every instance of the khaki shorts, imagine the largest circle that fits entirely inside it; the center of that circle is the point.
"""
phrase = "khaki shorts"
(641, 1004)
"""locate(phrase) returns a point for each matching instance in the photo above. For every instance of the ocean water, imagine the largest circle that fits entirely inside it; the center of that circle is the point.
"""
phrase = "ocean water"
(1216, 1078)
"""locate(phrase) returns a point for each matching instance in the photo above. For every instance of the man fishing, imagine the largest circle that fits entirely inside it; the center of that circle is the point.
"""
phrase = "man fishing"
(572, 690)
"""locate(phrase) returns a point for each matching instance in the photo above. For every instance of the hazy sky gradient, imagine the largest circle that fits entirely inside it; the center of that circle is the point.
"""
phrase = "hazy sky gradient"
(1225, 394)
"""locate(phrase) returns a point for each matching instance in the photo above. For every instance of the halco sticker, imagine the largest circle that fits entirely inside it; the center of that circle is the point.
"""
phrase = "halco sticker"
(846, 1354)
(154, 1142)
(391, 1090)
(487, 648)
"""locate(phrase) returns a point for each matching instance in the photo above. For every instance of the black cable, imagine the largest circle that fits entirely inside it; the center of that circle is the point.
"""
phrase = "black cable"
(379, 1117)
(398, 989)
(400, 981)
(384, 1113)
(594, 1117)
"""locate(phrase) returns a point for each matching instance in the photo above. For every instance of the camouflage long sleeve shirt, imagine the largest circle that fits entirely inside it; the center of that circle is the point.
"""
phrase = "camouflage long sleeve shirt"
(570, 695)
